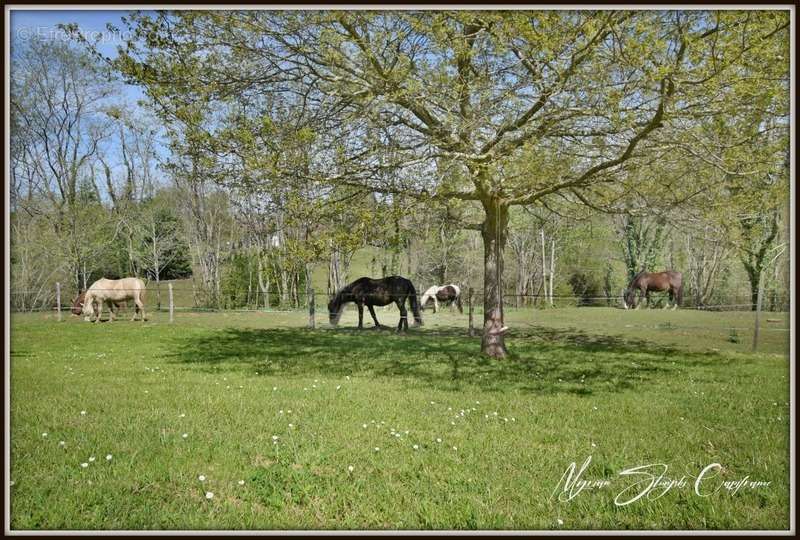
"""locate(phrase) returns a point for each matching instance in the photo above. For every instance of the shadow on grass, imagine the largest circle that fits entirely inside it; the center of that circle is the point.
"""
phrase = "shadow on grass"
(543, 360)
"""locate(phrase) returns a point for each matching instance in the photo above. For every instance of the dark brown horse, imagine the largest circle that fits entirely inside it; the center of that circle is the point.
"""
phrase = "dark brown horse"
(647, 282)
(376, 292)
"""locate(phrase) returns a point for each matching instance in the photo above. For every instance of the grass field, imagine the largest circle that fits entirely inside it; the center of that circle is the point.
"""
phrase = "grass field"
(341, 429)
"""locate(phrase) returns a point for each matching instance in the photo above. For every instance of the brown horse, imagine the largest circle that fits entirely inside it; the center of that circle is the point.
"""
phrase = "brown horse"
(647, 282)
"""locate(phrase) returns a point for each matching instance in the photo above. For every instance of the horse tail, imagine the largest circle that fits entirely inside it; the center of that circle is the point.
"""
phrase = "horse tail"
(412, 300)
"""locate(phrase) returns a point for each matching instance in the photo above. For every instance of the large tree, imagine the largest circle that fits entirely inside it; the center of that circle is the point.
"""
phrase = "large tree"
(496, 108)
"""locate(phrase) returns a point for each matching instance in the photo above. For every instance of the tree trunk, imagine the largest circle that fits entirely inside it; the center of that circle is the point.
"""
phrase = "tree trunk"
(753, 273)
(552, 267)
(544, 268)
(494, 232)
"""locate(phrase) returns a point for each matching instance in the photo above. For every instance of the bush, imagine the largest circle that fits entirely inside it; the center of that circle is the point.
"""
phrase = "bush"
(585, 286)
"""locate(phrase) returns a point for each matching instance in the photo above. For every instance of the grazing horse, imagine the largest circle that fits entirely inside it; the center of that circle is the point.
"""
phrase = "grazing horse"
(112, 291)
(446, 294)
(77, 304)
(376, 292)
(645, 282)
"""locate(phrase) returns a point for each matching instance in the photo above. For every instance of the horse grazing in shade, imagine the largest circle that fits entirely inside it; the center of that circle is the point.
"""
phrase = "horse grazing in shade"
(376, 292)
(647, 282)
(112, 291)
(447, 295)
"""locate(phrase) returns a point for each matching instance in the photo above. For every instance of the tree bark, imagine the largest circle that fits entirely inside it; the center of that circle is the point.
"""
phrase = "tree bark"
(552, 267)
(494, 232)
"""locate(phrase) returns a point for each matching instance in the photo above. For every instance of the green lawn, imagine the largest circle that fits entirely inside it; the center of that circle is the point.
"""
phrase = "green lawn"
(626, 388)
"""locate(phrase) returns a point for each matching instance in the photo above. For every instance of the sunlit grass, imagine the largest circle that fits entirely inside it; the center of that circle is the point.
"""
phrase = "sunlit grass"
(283, 423)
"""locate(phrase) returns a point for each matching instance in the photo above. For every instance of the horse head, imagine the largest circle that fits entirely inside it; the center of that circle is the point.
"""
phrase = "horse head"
(335, 309)
(629, 298)
(77, 304)
(88, 305)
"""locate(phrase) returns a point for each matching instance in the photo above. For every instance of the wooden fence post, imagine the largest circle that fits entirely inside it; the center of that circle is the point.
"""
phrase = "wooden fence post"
(171, 304)
(311, 321)
(470, 310)
(758, 309)
(58, 300)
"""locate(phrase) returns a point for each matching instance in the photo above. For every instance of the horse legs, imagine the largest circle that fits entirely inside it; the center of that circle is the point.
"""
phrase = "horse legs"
(403, 324)
(670, 298)
(99, 311)
(458, 305)
(139, 306)
(110, 305)
(374, 318)
(360, 315)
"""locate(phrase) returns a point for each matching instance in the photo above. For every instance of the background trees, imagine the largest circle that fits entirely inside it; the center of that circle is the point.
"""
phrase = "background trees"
(425, 143)
(501, 109)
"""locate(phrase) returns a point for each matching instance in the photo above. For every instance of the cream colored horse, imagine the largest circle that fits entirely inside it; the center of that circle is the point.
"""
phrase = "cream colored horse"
(109, 291)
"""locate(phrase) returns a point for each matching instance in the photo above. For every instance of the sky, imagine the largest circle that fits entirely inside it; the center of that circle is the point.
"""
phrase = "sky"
(44, 23)
(26, 24)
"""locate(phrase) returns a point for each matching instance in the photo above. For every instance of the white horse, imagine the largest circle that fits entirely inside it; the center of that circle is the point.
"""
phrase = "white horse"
(111, 291)
(446, 294)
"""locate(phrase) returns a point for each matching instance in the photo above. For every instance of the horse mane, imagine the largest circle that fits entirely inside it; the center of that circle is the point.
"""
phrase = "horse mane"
(336, 300)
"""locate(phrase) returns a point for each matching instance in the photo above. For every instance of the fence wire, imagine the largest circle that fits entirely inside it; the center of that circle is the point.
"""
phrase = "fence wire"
(247, 301)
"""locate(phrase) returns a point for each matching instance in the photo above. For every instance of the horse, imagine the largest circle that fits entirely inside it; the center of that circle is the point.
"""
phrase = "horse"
(77, 304)
(111, 291)
(376, 292)
(446, 294)
(646, 282)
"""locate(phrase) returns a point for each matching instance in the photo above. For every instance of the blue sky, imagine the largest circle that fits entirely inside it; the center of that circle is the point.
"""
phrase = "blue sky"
(26, 24)
(32, 22)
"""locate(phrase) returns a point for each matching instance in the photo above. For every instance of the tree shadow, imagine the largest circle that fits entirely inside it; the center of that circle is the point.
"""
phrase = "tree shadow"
(544, 360)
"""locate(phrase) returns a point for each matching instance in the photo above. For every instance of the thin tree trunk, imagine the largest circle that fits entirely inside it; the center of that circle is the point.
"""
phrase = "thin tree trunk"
(552, 267)
(544, 268)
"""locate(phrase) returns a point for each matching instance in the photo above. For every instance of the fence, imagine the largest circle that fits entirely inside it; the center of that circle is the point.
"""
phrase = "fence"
(175, 300)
